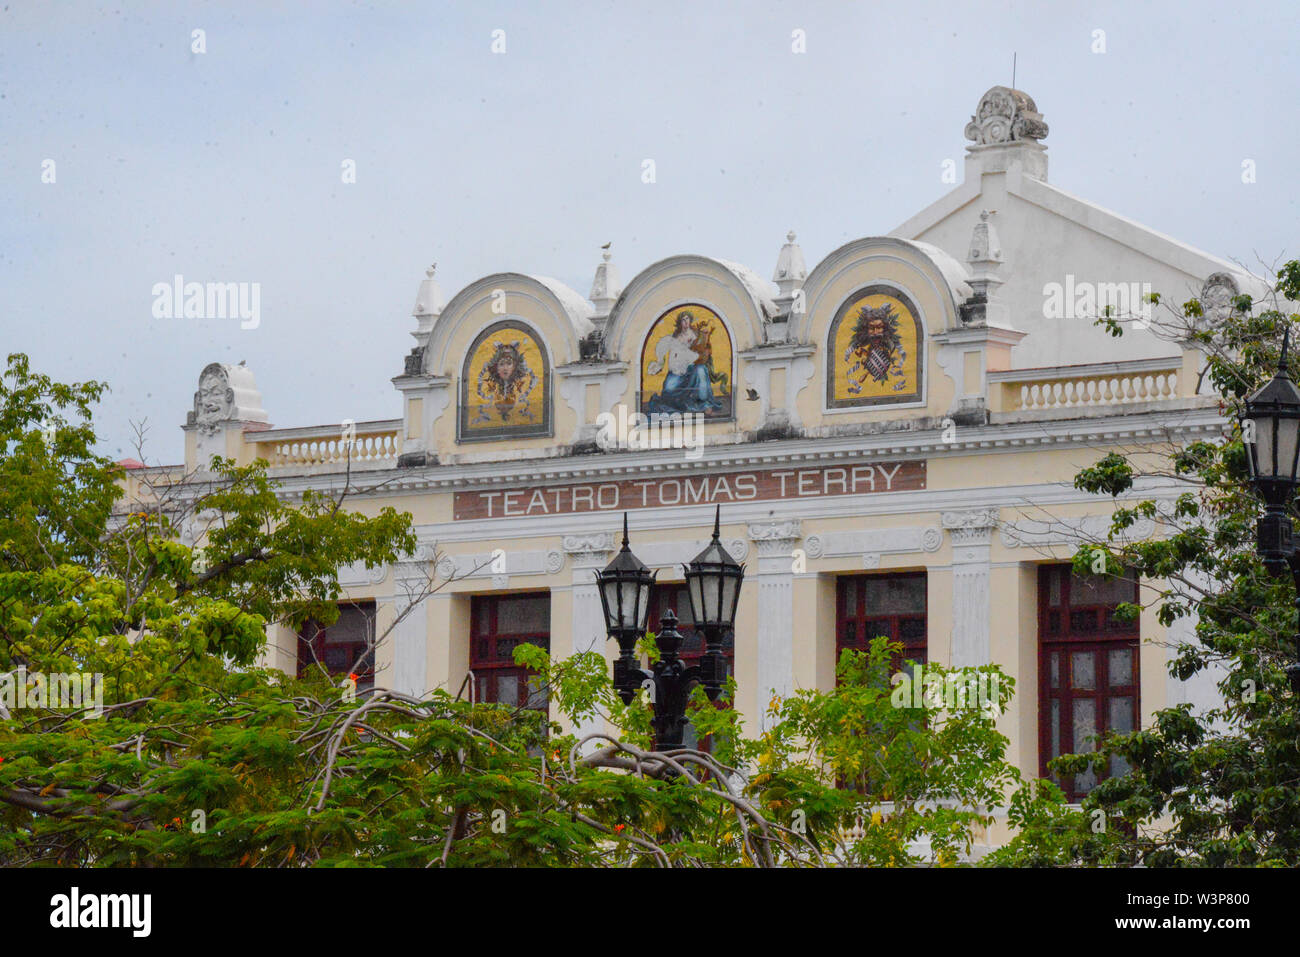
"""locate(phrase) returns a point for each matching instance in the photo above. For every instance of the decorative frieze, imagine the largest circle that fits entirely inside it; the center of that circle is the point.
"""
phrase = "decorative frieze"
(1032, 533)
(501, 564)
(874, 542)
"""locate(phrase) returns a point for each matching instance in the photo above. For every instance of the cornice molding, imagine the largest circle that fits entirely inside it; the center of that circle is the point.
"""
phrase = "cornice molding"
(1152, 426)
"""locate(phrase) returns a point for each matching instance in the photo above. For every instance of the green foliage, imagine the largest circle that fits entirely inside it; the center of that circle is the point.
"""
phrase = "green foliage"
(1220, 788)
(200, 758)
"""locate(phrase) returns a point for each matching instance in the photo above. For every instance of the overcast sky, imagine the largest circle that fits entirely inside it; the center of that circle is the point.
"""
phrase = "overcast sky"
(226, 165)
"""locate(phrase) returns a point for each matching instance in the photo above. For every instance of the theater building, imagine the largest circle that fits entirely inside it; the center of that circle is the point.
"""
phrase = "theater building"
(892, 436)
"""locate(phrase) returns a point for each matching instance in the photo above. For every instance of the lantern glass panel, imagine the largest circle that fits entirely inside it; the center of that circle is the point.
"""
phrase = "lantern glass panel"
(695, 584)
(609, 598)
(1264, 445)
(629, 609)
(730, 592)
(1287, 434)
(712, 595)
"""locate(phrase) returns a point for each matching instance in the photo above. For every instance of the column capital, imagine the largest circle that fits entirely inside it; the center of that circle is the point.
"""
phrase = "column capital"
(972, 526)
(775, 538)
(589, 551)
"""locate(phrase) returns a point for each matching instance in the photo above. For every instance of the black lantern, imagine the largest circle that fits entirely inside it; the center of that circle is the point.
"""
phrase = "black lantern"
(625, 593)
(1271, 433)
(1271, 428)
(624, 588)
(713, 580)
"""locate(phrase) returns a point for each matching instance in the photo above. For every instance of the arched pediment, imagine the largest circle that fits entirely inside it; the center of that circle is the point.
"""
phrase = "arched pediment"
(926, 273)
(732, 291)
(560, 316)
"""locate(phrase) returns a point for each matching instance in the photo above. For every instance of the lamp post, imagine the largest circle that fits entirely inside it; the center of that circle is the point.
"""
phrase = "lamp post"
(1271, 433)
(713, 579)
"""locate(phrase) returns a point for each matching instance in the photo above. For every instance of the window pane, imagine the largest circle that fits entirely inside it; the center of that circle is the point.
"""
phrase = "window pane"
(522, 616)
(1098, 590)
(894, 595)
(1056, 670)
(877, 628)
(912, 630)
(353, 626)
(1083, 783)
(508, 689)
(1056, 728)
(1082, 671)
(850, 586)
(1120, 714)
(1084, 711)
(1054, 577)
(1083, 622)
(537, 694)
(1121, 667)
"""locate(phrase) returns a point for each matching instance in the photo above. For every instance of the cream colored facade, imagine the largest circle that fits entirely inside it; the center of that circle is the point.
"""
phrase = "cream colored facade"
(1015, 399)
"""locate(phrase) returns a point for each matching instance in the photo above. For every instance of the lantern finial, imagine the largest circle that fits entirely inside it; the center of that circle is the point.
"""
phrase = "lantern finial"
(1286, 340)
(625, 529)
(717, 523)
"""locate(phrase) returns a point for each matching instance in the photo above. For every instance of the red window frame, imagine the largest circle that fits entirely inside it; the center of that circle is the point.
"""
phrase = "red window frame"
(491, 650)
(856, 626)
(1077, 634)
(666, 595)
(316, 644)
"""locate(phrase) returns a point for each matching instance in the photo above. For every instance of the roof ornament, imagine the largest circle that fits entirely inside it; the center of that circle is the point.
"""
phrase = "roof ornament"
(606, 287)
(1005, 115)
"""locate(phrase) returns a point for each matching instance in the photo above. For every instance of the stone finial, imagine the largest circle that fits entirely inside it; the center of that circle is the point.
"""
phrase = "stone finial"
(1005, 115)
(226, 394)
(428, 306)
(985, 258)
(985, 247)
(790, 269)
(606, 287)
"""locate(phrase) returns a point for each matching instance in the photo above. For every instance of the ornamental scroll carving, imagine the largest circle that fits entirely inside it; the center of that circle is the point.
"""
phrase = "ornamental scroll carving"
(1005, 115)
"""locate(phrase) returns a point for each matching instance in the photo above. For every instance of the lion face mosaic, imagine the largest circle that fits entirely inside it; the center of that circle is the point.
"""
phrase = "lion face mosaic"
(505, 385)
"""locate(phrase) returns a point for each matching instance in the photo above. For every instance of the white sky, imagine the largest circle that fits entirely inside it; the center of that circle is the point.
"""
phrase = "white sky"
(225, 166)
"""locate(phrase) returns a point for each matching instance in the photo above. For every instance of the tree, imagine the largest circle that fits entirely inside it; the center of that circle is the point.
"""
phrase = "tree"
(195, 756)
(1222, 787)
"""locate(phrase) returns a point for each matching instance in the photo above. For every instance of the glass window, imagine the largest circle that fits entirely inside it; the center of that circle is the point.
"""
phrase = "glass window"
(892, 606)
(1096, 692)
(500, 624)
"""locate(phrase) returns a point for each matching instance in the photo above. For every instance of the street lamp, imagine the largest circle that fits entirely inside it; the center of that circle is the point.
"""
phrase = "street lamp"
(1271, 432)
(624, 588)
(713, 580)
